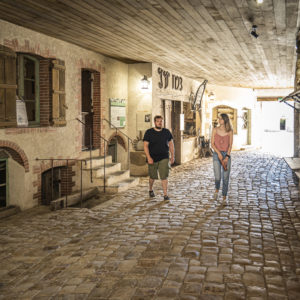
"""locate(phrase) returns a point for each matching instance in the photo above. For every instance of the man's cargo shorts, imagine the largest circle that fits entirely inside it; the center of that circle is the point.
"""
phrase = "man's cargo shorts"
(162, 167)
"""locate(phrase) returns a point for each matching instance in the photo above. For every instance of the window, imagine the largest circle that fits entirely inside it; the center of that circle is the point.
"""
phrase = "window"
(40, 83)
(282, 124)
(28, 86)
(189, 120)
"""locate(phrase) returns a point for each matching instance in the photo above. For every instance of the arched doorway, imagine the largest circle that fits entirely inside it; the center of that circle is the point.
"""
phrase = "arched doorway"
(224, 109)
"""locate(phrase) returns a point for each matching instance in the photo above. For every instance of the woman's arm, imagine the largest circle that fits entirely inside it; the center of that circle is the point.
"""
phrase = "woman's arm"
(230, 146)
(230, 142)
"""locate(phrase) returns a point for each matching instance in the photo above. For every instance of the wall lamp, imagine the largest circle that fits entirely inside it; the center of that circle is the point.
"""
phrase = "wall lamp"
(211, 96)
(253, 31)
(259, 1)
(145, 83)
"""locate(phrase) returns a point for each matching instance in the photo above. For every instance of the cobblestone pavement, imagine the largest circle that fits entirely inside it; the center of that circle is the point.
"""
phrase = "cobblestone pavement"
(133, 247)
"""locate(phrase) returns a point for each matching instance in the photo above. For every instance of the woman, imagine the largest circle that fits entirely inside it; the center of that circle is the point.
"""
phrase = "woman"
(221, 141)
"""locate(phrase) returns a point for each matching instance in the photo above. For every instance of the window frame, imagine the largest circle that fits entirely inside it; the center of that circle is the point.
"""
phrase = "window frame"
(21, 84)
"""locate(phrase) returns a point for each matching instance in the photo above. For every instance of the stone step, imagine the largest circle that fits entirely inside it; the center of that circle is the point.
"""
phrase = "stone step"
(97, 161)
(115, 177)
(99, 171)
(122, 186)
(86, 154)
(8, 211)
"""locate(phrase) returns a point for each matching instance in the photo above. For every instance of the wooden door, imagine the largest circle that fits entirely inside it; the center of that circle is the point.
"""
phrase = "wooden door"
(3, 183)
(87, 108)
(112, 149)
(47, 185)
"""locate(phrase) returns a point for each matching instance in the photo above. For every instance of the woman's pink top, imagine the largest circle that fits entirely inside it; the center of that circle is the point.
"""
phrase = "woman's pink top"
(222, 142)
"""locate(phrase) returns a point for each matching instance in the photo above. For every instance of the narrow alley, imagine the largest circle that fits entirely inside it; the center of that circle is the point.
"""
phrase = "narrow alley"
(192, 247)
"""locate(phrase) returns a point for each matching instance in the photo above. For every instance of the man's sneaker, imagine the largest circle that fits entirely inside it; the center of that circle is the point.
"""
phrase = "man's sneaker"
(151, 194)
(166, 198)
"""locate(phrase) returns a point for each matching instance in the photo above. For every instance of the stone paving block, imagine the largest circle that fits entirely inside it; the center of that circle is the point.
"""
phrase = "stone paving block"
(256, 291)
(213, 288)
(194, 277)
(214, 277)
(192, 288)
(169, 292)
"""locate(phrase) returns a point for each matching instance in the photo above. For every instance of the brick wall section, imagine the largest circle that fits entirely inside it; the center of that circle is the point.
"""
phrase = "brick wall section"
(67, 180)
(45, 92)
(16, 153)
(67, 177)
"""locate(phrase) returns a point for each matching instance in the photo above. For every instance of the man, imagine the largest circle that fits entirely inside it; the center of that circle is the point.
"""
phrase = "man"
(158, 141)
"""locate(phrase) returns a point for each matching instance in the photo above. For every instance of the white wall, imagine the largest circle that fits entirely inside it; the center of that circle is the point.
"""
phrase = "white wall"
(274, 140)
(237, 98)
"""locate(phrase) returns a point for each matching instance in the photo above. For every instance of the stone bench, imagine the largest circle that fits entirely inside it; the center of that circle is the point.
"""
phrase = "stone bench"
(294, 164)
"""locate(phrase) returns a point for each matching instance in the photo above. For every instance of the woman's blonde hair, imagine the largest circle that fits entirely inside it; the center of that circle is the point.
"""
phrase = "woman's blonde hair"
(227, 123)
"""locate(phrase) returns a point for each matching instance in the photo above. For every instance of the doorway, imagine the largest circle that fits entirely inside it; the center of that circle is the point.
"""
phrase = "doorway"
(171, 114)
(3, 183)
(87, 108)
(47, 185)
(112, 149)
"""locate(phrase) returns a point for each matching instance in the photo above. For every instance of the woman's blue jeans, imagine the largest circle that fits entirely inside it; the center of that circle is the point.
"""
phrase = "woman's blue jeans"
(220, 173)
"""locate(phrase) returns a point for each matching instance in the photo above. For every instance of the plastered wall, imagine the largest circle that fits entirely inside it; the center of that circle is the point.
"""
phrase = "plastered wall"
(46, 142)
(237, 98)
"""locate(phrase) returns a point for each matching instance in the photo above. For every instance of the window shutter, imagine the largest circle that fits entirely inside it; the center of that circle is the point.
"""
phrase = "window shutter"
(8, 87)
(58, 93)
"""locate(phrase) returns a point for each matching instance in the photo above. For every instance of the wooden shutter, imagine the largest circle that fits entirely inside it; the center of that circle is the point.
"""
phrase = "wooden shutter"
(58, 93)
(8, 87)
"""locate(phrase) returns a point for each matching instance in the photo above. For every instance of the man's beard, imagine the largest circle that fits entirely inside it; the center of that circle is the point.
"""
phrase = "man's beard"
(157, 127)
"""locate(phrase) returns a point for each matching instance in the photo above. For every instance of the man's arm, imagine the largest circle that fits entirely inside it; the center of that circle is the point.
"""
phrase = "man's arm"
(172, 150)
(146, 149)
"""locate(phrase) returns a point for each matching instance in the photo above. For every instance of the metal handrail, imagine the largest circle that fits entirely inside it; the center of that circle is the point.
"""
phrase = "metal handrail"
(104, 165)
(128, 140)
(67, 165)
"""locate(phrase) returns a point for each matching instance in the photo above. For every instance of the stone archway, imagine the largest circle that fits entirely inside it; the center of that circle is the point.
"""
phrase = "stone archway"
(16, 153)
(120, 140)
(230, 111)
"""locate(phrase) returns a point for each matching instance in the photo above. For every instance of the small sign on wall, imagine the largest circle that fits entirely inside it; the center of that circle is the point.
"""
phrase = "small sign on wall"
(143, 120)
(117, 112)
(22, 119)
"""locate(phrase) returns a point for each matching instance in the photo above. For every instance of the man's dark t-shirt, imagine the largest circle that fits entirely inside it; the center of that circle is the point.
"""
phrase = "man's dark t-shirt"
(158, 143)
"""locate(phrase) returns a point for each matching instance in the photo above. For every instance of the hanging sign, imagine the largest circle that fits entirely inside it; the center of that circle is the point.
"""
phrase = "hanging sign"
(117, 112)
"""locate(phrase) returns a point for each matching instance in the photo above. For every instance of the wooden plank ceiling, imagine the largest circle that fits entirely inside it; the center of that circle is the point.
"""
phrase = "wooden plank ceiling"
(197, 38)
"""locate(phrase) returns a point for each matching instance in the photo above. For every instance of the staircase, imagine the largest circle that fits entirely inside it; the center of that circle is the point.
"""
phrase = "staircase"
(116, 180)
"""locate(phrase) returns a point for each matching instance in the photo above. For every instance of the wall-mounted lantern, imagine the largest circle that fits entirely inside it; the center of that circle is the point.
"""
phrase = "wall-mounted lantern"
(145, 83)
(211, 96)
